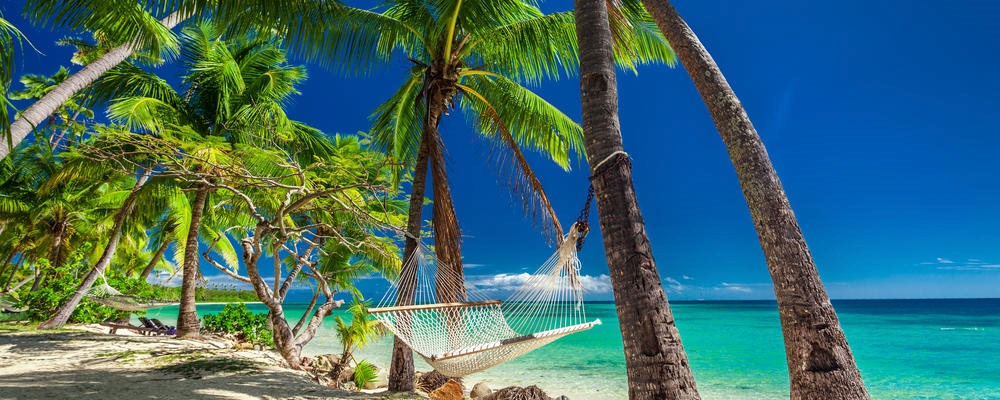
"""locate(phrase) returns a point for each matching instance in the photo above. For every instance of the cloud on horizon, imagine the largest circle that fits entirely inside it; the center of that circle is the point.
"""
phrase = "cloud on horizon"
(972, 264)
(508, 283)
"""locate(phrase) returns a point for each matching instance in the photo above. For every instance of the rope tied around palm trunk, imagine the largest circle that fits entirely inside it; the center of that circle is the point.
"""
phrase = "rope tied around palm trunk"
(616, 158)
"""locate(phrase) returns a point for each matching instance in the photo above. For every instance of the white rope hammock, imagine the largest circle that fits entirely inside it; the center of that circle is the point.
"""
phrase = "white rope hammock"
(106, 295)
(462, 337)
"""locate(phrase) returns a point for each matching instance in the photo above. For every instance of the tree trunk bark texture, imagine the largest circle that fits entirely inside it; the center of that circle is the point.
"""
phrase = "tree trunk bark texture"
(188, 324)
(655, 361)
(820, 362)
(401, 371)
(41, 109)
(64, 311)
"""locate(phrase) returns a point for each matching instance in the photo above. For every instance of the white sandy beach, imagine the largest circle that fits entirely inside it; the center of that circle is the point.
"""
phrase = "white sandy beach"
(87, 362)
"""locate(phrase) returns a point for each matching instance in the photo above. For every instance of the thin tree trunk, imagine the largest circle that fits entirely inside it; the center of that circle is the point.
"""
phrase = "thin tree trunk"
(820, 363)
(55, 254)
(64, 311)
(401, 371)
(655, 361)
(41, 109)
(17, 266)
(309, 309)
(6, 263)
(156, 259)
(188, 324)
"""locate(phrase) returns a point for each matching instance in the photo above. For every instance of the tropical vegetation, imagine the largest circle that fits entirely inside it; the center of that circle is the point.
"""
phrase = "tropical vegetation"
(213, 172)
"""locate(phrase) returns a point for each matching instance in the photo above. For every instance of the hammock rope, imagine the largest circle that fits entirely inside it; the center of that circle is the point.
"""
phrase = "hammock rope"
(107, 295)
(8, 304)
(460, 338)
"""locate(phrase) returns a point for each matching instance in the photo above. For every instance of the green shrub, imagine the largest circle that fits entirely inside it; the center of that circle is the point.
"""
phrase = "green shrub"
(61, 282)
(364, 373)
(239, 321)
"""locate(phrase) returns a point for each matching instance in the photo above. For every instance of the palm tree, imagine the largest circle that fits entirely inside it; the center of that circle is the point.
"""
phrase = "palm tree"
(236, 90)
(462, 58)
(10, 37)
(357, 335)
(119, 22)
(820, 363)
(64, 311)
(655, 360)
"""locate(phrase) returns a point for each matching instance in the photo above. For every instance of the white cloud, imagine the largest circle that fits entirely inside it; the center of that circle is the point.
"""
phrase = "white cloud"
(673, 286)
(473, 265)
(596, 284)
(734, 287)
(511, 282)
(162, 278)
(972, 264)
(687, 278)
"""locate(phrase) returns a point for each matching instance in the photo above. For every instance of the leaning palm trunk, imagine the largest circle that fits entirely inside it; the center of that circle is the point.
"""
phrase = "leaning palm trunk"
(401, 371)
(64, 311)
(188, 324)
(155, 260)
(820, 363)
(41, 109)
(655, 361)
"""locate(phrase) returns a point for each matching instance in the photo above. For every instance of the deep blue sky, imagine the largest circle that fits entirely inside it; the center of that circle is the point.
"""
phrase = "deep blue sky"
(879, 116)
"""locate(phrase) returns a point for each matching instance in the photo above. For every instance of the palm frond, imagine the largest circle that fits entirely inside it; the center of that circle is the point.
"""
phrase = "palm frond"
(115, 21)
(397, 124)
(534, 123)
(531, 50)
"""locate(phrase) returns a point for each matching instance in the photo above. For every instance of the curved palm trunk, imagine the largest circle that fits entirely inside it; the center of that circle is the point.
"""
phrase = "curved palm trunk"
(64, 311)
(17, 266)
(41, 109)
(156, 259)
(188, 324)
(654, 356)
(7, 261)
(820, 363)
(401, 371)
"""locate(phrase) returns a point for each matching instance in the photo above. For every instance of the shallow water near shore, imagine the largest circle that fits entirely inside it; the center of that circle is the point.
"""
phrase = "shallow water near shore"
(906, 349)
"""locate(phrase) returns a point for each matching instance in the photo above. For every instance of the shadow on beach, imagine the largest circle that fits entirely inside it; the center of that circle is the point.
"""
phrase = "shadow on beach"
(70, 365)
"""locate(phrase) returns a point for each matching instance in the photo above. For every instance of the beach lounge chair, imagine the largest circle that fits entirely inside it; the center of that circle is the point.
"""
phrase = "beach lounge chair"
(169, 330)
(154, 328)
(114, 326)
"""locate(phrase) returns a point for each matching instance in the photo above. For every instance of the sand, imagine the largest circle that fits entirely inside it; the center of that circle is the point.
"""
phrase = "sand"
(87, 362)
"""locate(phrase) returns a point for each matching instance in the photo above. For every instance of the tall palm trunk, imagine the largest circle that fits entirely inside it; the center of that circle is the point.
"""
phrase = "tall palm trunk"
(188, 324)
(64, 311)
(655, 361)
(41, 109)
(401, 370)
(447, 236)
(820, 363)
(155, 260)
(440, 81)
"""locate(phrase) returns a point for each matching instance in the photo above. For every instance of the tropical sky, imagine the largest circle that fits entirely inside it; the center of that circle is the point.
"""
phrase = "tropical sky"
(879, 116)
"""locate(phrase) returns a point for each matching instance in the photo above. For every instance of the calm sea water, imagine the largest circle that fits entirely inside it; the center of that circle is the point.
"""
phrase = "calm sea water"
(906, 349)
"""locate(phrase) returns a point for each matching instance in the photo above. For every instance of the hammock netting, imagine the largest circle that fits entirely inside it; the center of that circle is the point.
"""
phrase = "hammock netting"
(471, 334)
(106, 295)
(8, 304)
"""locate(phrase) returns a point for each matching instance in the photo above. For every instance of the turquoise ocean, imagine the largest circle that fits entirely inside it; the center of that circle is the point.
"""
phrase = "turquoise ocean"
(906, 349)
